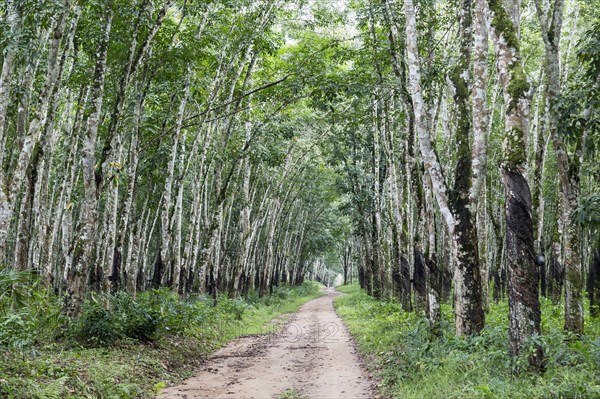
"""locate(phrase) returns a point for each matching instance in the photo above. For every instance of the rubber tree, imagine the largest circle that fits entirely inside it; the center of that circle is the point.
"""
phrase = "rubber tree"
(523, 290)
(568, 166)
(459, 220)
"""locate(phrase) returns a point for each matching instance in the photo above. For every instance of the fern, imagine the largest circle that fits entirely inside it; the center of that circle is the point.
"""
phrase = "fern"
(13, 289)
(53, 390)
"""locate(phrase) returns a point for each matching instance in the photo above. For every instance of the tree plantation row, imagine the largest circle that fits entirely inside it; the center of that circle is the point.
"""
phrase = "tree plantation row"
(139, 153)
(440, 151)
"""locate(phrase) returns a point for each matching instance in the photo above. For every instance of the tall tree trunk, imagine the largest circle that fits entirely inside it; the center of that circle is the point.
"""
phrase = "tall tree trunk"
(13, 19)
(167, 210)
(128, 221)
(538, 202)
(428, 155)
(178, 215)
(468, 310)
(477, 195)
(468, 307)
(24, 218)
(78, 273)
(376, 235)
(568, 169)
(524, 305)
(245, 233)
(594, 282)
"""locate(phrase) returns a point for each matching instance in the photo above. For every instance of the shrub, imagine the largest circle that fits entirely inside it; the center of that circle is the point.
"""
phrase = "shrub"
(154, 314)
(133, 320)
(96, 326)
(173, 314)
(28, 316)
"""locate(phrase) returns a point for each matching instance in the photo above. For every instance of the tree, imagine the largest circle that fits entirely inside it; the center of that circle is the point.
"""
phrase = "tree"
(523, 291)
(469, 316)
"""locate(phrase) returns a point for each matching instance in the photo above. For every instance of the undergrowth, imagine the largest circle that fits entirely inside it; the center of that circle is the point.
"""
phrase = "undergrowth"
(121, 347)
(413, 363)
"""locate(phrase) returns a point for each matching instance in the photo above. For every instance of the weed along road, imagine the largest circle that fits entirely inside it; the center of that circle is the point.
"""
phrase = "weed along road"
(313, 356)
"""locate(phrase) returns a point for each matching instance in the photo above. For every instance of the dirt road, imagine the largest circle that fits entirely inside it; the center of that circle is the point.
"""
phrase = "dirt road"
(314, 356)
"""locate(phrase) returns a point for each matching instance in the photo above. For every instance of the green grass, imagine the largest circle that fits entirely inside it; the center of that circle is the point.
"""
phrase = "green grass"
(348, 289)
(291, 394)
(127, 368)
(259, 319)
(412, 363)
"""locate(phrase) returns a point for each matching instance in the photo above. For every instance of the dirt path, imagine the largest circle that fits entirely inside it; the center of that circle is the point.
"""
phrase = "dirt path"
(314, 356)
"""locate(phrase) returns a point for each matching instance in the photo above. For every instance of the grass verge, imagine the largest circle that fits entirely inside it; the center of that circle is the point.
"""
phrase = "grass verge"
(411, 363)
(129, 368)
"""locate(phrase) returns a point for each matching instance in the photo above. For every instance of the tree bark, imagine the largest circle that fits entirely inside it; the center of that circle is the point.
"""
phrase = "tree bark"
(523, 290)
(468, 307)
(13, 19)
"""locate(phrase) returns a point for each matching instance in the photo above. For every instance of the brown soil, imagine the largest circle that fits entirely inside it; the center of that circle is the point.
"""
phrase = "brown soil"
(313, 356)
